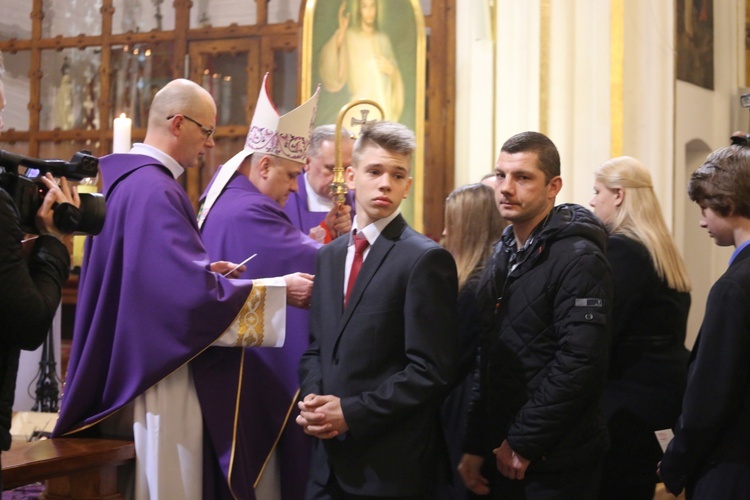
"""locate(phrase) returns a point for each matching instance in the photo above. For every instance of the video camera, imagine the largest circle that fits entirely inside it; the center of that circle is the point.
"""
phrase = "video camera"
(28, 191)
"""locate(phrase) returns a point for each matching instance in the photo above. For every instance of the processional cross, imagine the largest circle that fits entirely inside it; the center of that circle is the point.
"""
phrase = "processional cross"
(363, 122)
(338, 186)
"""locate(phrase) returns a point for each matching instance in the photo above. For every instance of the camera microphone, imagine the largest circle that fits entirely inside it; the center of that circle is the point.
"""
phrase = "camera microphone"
(81, 166)
(27, 191)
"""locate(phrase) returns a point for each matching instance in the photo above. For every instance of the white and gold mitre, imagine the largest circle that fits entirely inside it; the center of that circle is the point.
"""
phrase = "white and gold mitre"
(284, 136)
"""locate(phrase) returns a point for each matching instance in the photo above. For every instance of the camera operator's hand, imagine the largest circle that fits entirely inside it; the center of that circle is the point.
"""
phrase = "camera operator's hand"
(65, 193)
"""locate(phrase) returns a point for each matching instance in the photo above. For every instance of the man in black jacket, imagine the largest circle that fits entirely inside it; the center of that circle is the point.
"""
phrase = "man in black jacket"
(30, 287)
(535, 429)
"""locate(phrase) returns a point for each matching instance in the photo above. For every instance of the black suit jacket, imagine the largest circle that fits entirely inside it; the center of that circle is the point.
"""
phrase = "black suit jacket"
(390, 356)
(712, 436)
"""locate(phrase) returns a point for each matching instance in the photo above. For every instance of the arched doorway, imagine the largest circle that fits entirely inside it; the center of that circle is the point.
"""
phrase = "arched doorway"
(698, 246)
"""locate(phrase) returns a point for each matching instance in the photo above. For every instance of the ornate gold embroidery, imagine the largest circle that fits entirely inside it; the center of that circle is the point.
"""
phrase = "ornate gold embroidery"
(250, 329)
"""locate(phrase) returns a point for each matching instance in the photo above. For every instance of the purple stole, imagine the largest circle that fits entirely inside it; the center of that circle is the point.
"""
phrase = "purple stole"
(296, 208)
(242, 222)
(147, 302)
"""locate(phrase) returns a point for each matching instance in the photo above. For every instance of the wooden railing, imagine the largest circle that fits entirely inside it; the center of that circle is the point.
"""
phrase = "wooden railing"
(71, 467)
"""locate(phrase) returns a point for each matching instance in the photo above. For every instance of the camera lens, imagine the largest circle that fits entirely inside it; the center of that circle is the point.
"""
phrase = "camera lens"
(92, 213)
(66, 217)
(88, 219)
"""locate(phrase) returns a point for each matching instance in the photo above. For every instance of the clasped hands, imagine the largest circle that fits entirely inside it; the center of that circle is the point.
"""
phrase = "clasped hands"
(321, 416)
(509, 463)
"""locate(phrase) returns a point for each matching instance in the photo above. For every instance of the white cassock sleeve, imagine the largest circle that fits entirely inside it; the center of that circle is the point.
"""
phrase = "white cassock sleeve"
(262, 320)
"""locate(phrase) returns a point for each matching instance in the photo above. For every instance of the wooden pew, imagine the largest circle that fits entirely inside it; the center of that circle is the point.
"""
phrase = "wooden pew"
(71, 467)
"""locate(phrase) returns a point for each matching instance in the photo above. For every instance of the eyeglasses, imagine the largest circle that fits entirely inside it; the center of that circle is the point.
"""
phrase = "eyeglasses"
(208, 132)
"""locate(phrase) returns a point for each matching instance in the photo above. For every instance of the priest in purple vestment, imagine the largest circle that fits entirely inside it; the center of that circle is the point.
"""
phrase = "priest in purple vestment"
(243, 216)
(151, 302)
(311, 207)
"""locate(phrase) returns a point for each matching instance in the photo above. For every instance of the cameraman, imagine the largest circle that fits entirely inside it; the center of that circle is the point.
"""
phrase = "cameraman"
(31, 280)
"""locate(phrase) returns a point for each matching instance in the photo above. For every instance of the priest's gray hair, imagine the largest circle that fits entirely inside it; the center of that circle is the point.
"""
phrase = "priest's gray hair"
(321, 134)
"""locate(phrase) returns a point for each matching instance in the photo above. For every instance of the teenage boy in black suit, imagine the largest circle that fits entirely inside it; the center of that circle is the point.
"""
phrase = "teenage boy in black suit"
(379, 366)
(710, 454)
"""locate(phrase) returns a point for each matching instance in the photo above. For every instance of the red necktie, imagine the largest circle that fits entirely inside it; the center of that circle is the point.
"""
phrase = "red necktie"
(360, 244)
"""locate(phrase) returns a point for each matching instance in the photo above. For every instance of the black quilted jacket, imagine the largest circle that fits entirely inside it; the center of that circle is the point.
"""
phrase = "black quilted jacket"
(29, 294)
(545, 344)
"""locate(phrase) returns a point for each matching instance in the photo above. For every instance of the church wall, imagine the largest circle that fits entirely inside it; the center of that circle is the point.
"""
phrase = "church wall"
(578, 110)
(474, 94)
(556, 71)
(705, 117)
(517, 68)
(648, 94)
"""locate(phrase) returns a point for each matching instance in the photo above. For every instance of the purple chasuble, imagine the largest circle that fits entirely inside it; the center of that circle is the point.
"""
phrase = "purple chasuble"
(301, 216)
(147, 301)
(243, 222)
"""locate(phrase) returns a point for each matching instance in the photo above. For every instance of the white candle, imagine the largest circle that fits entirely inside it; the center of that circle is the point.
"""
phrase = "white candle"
(206, 80)
(215, 87)
(121, 134)
(146, 94)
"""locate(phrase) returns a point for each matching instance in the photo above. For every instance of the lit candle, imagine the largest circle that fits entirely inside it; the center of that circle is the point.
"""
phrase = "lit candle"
(206, 80)
(147, 77)
(121, 134)
(225, 112)
(215, 87)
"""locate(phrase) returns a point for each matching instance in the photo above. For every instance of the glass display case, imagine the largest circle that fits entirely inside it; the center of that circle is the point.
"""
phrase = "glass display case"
(138, 71)
(69, 89)
(69, 18)
(138, 16)
(17, 90)
(223, 68)
(221, 13)
(15, 24)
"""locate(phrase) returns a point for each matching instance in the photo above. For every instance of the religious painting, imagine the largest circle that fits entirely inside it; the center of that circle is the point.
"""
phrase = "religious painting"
(374, 50)
(695, 42)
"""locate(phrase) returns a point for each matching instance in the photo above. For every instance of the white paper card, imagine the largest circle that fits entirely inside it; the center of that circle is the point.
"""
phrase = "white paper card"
(664, 436)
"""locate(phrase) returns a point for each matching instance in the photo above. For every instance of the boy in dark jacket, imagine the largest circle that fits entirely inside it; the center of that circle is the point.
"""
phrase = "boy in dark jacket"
(536, 429)
(710, 454)
(383, 344)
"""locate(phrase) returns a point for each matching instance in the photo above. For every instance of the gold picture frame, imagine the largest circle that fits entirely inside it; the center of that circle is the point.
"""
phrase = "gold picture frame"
(400, 43)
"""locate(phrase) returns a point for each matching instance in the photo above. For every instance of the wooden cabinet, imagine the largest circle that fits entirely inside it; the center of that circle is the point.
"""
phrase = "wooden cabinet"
(80, 63)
